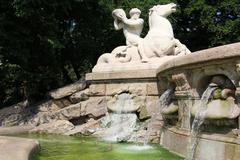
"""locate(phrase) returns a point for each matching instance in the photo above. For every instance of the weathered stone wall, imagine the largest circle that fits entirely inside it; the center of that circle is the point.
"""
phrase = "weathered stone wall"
(191, 75)
(143, 88)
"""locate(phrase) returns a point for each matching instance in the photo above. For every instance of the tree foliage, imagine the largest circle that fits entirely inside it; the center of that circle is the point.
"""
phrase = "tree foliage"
(208, 23)
(45, 44)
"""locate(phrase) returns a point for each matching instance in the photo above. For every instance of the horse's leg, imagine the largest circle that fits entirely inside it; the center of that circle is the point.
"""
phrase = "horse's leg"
(144, 58)
(180, 49)
(187, 51)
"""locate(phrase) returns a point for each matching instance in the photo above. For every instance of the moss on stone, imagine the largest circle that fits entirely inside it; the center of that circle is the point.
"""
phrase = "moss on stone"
(217, 94)
(143, 113)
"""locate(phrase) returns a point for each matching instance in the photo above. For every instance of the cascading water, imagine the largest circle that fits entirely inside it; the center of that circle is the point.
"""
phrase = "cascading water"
(161, 103)
(198, 121)
(148, 131)
(119, 126)
(165, 98)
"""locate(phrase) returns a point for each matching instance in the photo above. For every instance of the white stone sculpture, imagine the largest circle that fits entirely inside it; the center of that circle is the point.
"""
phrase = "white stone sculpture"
(159, 45)
(160, 39)
(132, 28)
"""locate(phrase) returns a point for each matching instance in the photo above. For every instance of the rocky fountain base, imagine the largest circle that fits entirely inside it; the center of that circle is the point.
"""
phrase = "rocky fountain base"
(132, 93)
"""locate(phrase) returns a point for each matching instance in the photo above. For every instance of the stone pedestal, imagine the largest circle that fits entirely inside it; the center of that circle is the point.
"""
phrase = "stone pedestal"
(141, 83)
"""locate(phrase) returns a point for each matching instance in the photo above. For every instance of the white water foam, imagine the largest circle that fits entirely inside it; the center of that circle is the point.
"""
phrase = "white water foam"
(139, 147)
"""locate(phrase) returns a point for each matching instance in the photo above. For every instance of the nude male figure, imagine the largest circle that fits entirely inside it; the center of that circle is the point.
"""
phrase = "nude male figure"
(132, 28)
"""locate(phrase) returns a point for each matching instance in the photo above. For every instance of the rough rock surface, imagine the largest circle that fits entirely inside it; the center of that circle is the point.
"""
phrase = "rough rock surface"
(96, 107)
(70, 112)
(80, 96)
(88, 128)
(67, 113)
(47, 106)
(143, 113)
(15, 130)
(15, 115)
(56, 127)
(61, 103)
(68, 90)
(150, 108)
(21, 114)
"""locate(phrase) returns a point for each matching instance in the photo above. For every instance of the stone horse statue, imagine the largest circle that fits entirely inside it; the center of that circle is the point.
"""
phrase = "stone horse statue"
(160, 39)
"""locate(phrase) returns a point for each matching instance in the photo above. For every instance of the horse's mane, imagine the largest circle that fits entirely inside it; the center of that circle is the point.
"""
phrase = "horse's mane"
(151, 10)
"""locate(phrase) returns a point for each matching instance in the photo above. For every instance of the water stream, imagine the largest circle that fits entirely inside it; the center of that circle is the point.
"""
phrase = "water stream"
(165, 98)
(149, 129)
(164, 101)
(161, 103)
(198, 121)
(118, 126)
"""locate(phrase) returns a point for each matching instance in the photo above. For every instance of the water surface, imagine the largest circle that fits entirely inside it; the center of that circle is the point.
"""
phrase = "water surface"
(55, 147)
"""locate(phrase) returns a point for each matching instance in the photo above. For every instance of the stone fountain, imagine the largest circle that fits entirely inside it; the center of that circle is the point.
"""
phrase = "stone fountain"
(193, 75)
(192, 98)
(131, 70)
(151, 89)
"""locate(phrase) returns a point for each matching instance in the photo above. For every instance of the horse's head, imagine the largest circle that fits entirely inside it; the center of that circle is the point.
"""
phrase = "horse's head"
(163, 10)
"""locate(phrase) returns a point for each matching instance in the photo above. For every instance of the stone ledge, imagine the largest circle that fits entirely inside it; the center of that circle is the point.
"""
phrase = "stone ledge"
(13, 148)
(152, 64)
(212, 137)
(207, 55)
(15, 130)
(119, 75)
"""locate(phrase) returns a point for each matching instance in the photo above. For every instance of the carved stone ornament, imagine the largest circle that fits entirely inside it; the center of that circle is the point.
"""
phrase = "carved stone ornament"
(181, 82)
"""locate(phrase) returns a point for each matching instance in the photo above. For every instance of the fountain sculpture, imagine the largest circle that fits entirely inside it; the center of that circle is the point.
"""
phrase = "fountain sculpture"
(196, 99)
(152, 90)
(146, 54)
(156, 47)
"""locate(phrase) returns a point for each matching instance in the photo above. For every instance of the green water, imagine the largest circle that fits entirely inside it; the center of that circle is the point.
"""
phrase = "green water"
(55, 147)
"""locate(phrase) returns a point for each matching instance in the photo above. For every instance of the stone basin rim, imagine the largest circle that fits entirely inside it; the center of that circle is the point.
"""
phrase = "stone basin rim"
(27, 148)
(202, 56)
(212, 137)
